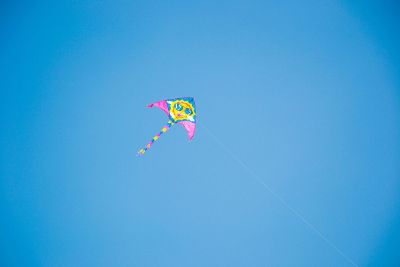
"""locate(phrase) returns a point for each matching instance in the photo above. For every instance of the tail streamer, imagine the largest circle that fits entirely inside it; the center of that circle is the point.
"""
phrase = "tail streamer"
(155, 138)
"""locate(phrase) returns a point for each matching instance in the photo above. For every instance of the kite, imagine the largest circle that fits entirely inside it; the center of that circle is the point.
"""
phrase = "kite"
(180, 110)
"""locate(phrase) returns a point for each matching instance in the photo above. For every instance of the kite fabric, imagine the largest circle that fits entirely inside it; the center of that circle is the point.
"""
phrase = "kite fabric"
(180, 110)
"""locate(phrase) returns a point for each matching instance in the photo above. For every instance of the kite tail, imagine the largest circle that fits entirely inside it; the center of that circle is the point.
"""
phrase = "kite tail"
(155, 138)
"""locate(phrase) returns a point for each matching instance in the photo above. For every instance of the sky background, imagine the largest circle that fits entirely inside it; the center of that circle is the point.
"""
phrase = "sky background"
(305, 93)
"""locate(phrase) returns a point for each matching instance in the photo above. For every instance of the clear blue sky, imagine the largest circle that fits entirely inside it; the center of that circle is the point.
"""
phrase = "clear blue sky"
(306, 94)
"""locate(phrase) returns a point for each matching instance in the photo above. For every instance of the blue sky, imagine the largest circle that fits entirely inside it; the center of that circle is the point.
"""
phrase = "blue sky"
(306, 95)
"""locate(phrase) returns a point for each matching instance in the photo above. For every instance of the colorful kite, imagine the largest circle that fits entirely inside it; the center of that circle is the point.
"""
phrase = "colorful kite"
(180, 110)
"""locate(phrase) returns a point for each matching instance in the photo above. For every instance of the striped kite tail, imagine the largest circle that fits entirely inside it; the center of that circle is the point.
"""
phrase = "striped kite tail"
(155, 138)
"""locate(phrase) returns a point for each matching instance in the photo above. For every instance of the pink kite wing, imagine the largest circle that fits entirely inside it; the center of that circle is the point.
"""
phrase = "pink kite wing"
(190, 128)
(161, 105)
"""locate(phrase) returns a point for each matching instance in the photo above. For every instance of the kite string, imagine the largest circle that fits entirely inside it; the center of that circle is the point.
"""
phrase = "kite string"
(155, 138)
(278, 197)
